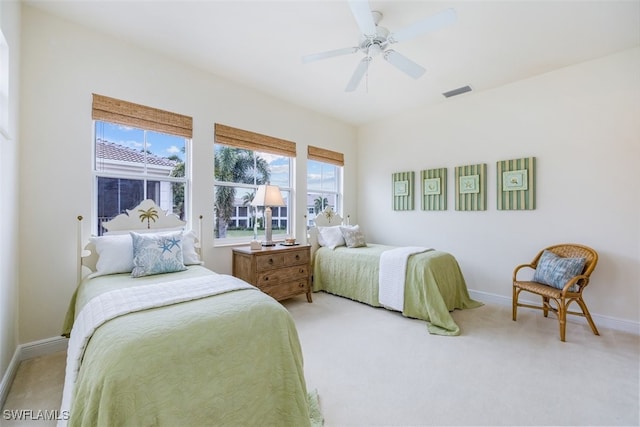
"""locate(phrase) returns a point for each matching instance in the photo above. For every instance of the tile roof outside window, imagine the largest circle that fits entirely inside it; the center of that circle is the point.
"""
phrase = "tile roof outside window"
(111, 151)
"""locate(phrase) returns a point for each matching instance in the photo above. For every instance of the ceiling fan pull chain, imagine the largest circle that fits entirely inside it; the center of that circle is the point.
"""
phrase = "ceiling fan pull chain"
(367, 79)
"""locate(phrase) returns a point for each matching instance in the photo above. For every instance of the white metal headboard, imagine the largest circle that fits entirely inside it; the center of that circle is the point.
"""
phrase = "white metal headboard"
(147, 216)
(325, 218)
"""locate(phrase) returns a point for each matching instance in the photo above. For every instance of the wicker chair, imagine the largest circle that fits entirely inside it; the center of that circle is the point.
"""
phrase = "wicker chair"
(561, 297)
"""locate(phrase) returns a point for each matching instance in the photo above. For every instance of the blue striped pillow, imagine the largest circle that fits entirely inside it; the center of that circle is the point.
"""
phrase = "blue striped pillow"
(556, 271)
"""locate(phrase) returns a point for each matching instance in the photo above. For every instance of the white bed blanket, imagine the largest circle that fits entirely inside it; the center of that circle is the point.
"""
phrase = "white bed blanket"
(110, 305)
(393, 270)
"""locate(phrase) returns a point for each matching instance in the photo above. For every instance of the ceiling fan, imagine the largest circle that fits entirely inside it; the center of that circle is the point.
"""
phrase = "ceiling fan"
(376, 40)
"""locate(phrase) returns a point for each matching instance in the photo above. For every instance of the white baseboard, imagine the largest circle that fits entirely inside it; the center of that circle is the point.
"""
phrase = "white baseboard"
(599, 319)
(42, 347)
(28, 351)
(7, 378)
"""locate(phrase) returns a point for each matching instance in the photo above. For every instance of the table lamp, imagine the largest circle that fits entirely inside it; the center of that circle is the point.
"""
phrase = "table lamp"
(268, 196)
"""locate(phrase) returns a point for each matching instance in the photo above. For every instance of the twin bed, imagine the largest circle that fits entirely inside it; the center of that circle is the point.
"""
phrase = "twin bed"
(432, 288)
(188, 347)
(158, 339)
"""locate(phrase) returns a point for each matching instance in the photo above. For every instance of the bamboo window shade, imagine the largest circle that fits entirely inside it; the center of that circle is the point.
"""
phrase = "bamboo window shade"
(326, 156)
(140, 116)
(247, 140)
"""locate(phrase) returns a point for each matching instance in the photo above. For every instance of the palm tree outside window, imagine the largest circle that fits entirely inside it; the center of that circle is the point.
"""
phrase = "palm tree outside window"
(237, 174)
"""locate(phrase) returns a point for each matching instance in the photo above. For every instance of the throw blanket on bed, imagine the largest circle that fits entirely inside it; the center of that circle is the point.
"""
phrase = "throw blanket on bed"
(119, 302)
(393, 271)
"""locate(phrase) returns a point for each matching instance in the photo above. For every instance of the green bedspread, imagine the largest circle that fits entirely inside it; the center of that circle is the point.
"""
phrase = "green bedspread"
(434, 283)
(232, 359)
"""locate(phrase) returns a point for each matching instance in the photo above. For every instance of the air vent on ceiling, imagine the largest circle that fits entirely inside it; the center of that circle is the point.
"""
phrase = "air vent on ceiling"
(457, 91)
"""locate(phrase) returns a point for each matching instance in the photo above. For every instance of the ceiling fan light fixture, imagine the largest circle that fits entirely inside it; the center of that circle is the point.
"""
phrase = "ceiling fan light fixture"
(374, 50)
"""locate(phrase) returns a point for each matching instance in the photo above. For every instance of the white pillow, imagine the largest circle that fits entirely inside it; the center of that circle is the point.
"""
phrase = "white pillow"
(189, 254)
(115, 254)
(330, 236)
(191, 257)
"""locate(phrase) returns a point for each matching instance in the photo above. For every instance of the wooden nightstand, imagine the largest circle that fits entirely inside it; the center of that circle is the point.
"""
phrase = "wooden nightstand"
(279, 271)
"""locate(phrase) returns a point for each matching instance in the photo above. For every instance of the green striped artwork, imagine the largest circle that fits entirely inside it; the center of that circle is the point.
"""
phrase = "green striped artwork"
(516, 183)
(402, 190)
(471, 187)
(434, 189)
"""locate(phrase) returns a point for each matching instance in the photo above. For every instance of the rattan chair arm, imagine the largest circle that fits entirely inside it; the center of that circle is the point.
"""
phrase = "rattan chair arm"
(574, 281)
(521, 266)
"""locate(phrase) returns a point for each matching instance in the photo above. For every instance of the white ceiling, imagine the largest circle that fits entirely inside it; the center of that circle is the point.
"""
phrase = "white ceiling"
(260, 44)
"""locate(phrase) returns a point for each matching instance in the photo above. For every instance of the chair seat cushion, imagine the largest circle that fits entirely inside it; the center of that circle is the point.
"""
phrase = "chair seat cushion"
(556, 271)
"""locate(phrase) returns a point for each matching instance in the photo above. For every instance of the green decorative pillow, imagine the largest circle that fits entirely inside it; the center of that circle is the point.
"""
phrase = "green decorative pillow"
(157, 253)
(556, 271)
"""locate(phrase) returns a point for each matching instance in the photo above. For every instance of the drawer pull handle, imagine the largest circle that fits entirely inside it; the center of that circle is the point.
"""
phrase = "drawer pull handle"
(302, 270)
(270, 260)
(266, 278)
(297, 257)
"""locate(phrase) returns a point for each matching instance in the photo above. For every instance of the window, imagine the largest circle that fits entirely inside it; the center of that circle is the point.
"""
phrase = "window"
(137, 159)
(243, 161)
(324, 181)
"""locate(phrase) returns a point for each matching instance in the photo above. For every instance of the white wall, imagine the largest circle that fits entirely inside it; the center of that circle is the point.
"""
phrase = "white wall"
(63, 64)
(10, 24)
(582, 123)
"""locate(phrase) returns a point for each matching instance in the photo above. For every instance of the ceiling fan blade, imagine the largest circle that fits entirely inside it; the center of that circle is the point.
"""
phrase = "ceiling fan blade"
(362, 13)
(328, 54)
(403, 63)
(360, 71)
(432, 23)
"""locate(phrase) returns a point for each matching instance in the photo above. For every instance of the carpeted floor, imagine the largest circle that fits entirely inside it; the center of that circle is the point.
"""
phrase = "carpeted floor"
(36, 387)
(373, 367)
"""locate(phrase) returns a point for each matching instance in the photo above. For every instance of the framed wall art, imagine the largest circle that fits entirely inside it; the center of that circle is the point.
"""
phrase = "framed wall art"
(402, 189)
(516, 185)
(471, 187)
(469, 184)
(434, 189)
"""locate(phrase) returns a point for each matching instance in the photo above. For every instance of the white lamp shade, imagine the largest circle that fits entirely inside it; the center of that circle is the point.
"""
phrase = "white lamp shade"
(268, 195)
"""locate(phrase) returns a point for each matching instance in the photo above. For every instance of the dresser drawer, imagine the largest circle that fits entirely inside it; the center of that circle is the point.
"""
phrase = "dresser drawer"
(283, 275)
(297, 257)
(269, 262)
(284, 290)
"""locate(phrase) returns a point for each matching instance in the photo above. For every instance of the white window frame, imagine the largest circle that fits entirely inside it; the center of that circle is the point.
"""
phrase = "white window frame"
(96, 173)
(338, 192)
(230, 241)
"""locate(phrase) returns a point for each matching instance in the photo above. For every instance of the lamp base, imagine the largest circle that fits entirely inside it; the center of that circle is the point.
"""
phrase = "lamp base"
(268, 244)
